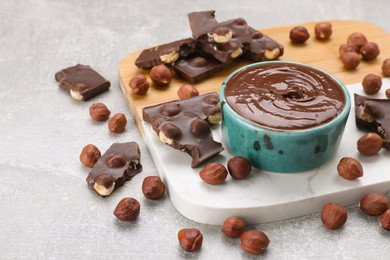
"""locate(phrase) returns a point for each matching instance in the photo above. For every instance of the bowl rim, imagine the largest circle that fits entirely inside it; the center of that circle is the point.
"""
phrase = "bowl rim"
(344, 113)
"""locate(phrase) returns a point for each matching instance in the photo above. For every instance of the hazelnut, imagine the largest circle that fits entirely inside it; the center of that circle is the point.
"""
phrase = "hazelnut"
(190, 239)
(116, 161)
(323, 30)
(153, 188)
(358, 39)
(299, 35)
(239, 167)
(333, 215)
(169, 133)
(99, 112)
(384, 220)
(213, 173)
(233, 227)
(371, 110)
(372, 84)
(347, 47)
(386, 67)
(369, 51)
(222, 34)
(169, 55)
(350, 60)
(89, 155)
(350, 168)
(117, 123)
(104, 185)
(200, 128)
(161, 75)
(374, 204)
(187, 91)
(254, 242)
(139, 85)
(388, 93)
(128, 209)
(369, 144)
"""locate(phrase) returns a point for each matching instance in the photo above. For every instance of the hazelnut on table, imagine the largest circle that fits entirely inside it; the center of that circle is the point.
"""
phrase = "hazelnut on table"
(89, 155)
(128, 209)
(153, 188)
(357, 38)
(369, 51)
(187, 91)
(190, 239)
(386, 67)
(350, 60)
(254, 242)
(350, 168)
(372, 84)
(213, 173)
(117, 123)
(333, 215)
(384, 220)
(139, 85)
(323, 30)
(299, 35)
(369, 144)
(374, 204)
(233, 227)
(161, 75)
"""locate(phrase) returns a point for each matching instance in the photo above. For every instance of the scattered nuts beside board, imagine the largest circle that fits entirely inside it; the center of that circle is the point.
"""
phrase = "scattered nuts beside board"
(89, 155)
(153, 188)
(190, 239)
(333, 215)
(254, 242)
(99, 112)
(128, 209)
(384, 220)
(233, 227)
(374, 204)
(117, 123)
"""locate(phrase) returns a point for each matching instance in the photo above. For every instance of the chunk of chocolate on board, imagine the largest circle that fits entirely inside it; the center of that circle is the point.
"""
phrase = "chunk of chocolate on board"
(82, 82)
(120, 163)
(184, 125)
(165, 53)
(373, 114)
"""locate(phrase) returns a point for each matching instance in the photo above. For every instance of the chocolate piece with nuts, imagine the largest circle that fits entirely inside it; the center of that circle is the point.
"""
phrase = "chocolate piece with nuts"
(82, 82)
(202, 23)
(262, 47)
(120, 163)
(184, 125)
(373, 115)
(165, 54)
(333, 215)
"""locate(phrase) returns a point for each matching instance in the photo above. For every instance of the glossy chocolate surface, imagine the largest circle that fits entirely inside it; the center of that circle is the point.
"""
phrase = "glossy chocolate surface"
(285, 96)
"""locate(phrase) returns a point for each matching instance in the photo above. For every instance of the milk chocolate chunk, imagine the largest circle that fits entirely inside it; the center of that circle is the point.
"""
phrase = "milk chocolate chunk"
(82, 82)
(373, 115)
(165, 54)
(120, 163)
(184, 125)
(202, 23)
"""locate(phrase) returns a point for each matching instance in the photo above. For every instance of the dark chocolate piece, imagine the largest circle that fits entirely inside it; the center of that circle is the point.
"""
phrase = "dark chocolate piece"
(198, 67)
(165, 53)
(373, 114)
(82, 82)
(184, 125)
(262, 47)
(120, 163)
(202, 23)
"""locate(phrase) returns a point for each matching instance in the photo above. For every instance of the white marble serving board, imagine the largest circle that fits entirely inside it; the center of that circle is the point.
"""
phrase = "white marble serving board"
(267, 196)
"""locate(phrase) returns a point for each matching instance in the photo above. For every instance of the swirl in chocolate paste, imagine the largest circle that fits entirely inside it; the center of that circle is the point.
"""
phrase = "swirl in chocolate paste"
(285, 96)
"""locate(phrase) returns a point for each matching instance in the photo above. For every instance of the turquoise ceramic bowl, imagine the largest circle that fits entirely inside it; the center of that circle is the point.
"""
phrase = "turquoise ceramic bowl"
(282, 150)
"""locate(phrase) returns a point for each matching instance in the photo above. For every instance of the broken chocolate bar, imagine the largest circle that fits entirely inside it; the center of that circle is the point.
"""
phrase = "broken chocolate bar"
(262, 47)
(120, 163)
(165, 53)
(373, 115)
(184, 125)
(202, 23)
(82, 82)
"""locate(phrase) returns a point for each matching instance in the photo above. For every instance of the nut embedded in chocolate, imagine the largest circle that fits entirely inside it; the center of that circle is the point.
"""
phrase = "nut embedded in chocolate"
(369, 51)
(153, 188)
(239, 167)
(190, 239)
(372, 84)
(357, 38)
(89, 155)
(139, 85)
(117, 123)
(161, 75)
(104, 185)
(222, 34)
(386, 67)
(371, 111)
(128, 209)
(169, 133)
(333, 215)
(323, 30)
(99, 112)
(299, 35)
(169, 56)
(350, 168)
(116, 161)
(200, 128)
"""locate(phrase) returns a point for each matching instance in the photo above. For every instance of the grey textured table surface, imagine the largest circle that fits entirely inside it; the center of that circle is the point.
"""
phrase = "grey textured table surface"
(46, 209)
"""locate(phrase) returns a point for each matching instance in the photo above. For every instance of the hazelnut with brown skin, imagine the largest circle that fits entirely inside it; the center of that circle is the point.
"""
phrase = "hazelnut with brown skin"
(190, 239)
(333, 215)
(369, 144)
(128, 209)
(384, 220)
(386, 67)
(358, 39)
(254, 242)
(323, 31)
(374, 204)
(139, 85)
(388, 93)
(99, 112)
(239, 167)
(372, 84)
(350, 168)
(187, 91)
(153, 188)
(299, 35)
(213, 173)
(351, 60)
(89, 155)
(117, 123)
(347, 47)
(233, 227)
(161, 75)
(369, 51)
